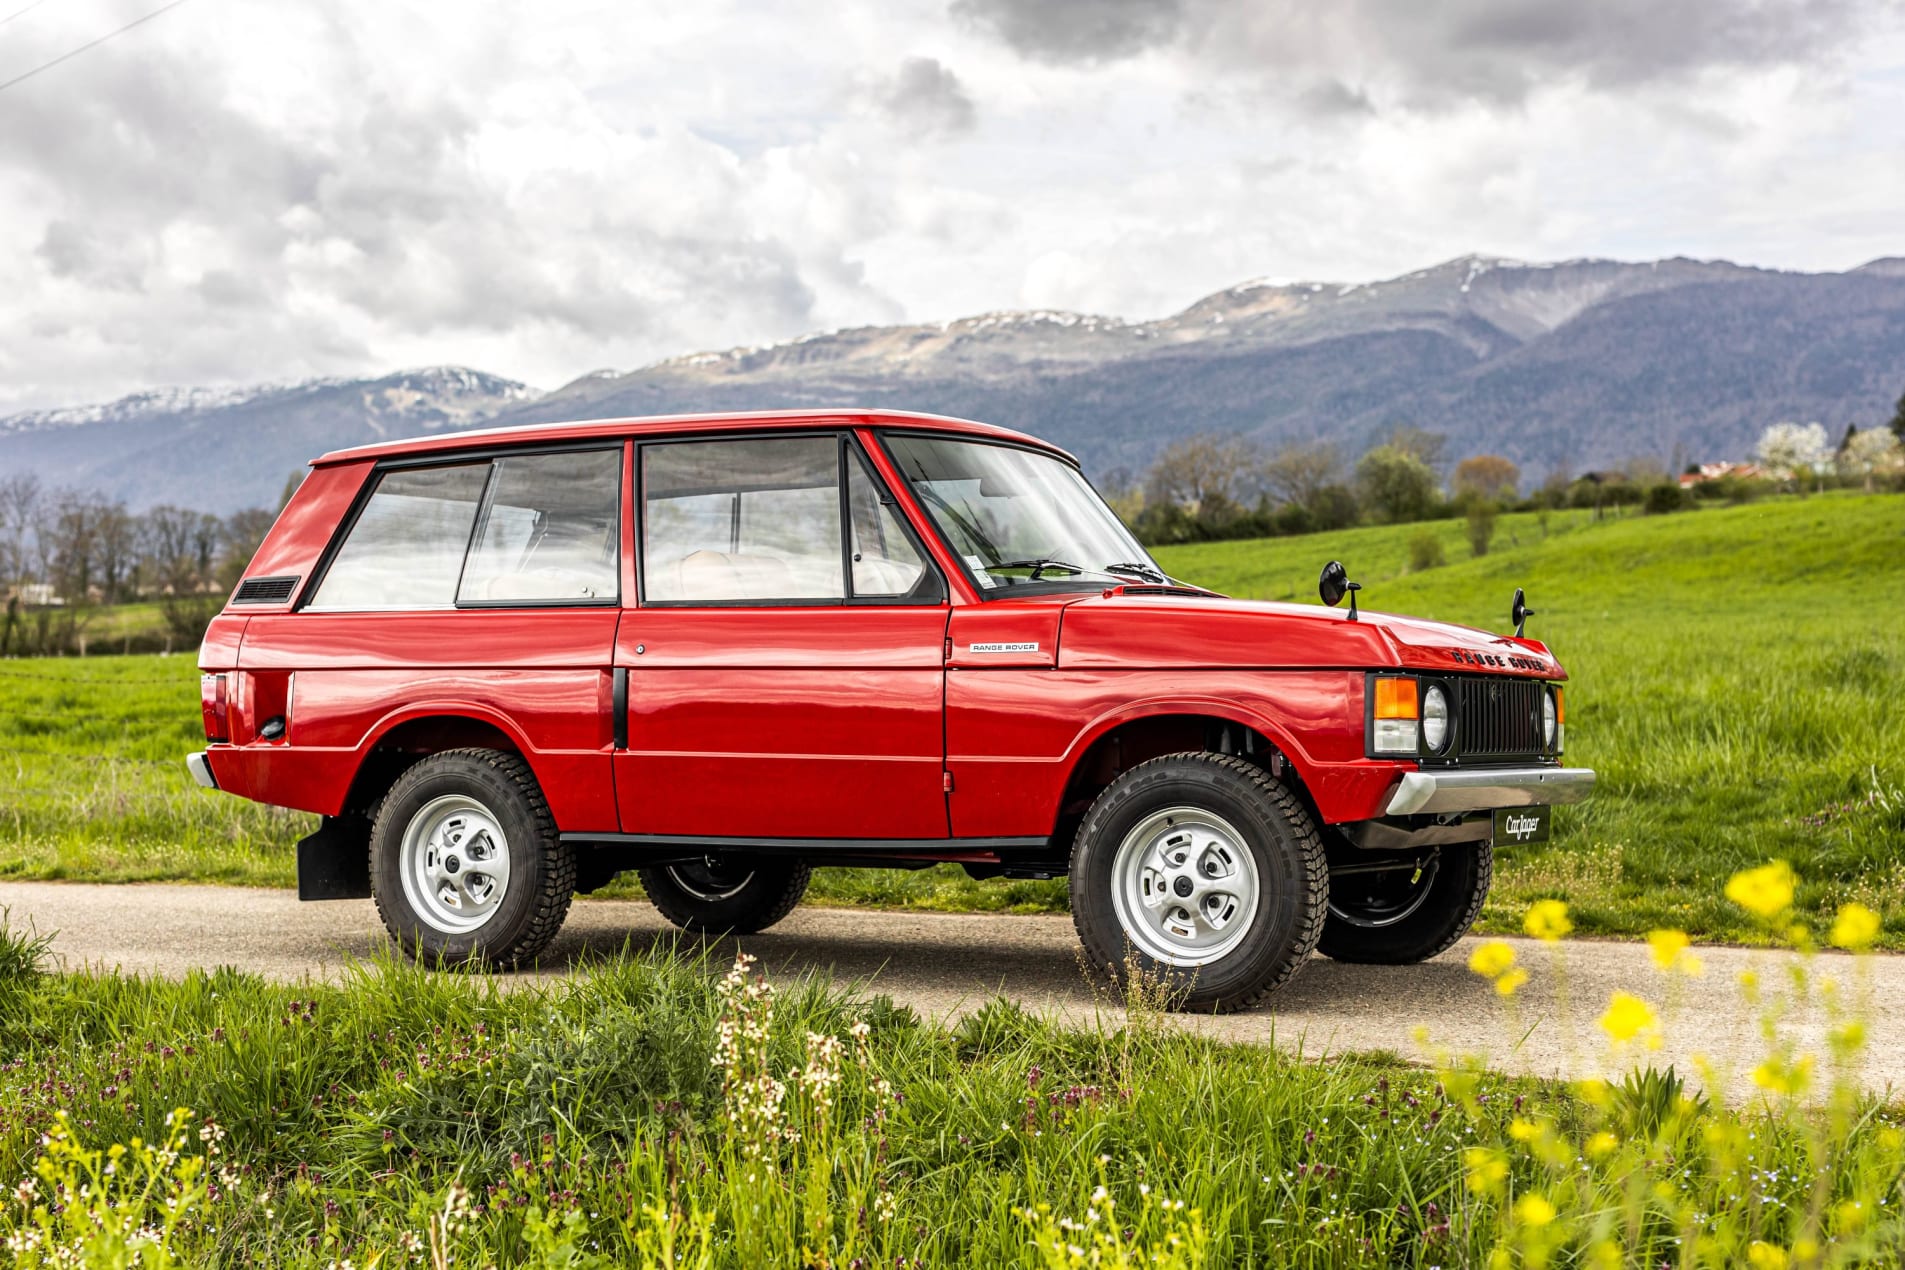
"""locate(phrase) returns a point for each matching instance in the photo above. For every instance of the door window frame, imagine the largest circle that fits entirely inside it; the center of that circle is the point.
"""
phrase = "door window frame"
(462, 458)
(848, 448)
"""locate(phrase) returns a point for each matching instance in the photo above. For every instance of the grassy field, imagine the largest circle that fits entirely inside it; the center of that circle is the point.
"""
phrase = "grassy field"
(1736, 679)
(646, 1113)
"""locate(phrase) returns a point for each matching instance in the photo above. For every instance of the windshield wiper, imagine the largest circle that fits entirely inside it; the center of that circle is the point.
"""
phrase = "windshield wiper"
(1040, 566)
(1144, 571)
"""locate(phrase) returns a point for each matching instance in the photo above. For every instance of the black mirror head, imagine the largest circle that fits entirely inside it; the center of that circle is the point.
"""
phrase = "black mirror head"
(1518, 611)
(1333, 585)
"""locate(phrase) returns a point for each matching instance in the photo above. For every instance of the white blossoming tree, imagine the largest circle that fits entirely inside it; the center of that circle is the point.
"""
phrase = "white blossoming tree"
(1873, 452)
(1794, 450)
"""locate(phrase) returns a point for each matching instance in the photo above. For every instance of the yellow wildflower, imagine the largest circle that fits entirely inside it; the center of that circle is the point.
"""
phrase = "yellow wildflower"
(1492, 959)
(1487, 1169)
(1785, 1079)
(1602, 1145)
(1534, 1210)
(1628, 1017)
(1848, 1216)
(1764, 1256)
(1765, 892)
(1855, 927)
(1508, 983)
(1547, 920)
(1522, 1129)
(1670, 951)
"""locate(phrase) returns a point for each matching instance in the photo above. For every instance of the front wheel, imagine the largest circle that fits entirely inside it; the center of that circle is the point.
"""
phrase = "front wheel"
(1206, 873)
(726, 895)
(466, 863)
(1399, 916)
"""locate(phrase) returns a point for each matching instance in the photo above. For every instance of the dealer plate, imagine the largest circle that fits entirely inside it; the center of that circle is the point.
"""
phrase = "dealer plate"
(1515, 826)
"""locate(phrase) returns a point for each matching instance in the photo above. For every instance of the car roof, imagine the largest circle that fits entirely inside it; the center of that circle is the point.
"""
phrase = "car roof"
(652, 425)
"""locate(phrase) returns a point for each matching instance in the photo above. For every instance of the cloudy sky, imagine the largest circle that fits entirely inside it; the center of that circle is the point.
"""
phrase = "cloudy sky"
(245, 190)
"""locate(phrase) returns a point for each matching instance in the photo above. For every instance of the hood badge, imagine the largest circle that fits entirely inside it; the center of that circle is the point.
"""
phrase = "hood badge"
(1499, 660)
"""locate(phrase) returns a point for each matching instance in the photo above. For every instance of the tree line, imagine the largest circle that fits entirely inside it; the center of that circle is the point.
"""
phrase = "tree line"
(1211, 487)
(67, 553)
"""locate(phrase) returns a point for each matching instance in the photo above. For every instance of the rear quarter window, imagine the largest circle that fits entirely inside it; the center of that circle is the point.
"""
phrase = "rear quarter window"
(520, 529)
(405, 550)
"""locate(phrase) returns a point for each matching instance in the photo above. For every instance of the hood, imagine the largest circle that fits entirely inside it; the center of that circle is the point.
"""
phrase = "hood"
(1131, 628)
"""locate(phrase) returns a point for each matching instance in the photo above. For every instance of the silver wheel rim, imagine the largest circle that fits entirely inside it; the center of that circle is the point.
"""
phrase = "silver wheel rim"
(707, 881)
(1184, 885)
(455, 864)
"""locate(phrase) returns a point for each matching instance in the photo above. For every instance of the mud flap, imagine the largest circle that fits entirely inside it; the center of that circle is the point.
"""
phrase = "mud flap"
(334, 862)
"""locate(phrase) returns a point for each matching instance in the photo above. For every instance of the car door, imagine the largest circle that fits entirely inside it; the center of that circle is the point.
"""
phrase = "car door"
(480, 590)
(785, 667)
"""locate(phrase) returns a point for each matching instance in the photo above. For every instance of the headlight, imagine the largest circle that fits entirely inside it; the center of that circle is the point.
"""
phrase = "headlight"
(1435, 719)
(1550, 721)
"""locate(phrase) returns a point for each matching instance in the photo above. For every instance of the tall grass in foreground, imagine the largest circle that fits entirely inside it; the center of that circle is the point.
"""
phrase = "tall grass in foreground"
(648, 1113)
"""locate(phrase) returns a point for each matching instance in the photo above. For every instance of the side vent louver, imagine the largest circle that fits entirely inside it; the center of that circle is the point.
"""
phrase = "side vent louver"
(265, 590)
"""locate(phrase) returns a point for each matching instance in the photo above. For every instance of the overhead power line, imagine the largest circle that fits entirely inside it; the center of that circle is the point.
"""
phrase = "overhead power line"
(69, 56)
(24, 9)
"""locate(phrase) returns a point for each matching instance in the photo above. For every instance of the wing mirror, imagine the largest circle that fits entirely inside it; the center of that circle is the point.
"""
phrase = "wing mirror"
(1519, 612)
(1334, 584)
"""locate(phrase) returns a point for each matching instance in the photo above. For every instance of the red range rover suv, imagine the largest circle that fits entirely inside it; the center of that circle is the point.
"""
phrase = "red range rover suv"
(504, 666)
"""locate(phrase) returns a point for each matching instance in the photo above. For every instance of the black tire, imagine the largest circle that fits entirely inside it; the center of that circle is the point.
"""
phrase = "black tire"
(541, 878)
(1368, 924)
(725, 894)
(1284, 849)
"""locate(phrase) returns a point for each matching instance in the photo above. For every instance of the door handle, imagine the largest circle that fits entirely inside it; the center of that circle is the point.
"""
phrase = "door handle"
(618, 707)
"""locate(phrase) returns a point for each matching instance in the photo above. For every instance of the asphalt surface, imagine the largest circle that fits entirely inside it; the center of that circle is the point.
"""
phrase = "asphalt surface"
(945, 964)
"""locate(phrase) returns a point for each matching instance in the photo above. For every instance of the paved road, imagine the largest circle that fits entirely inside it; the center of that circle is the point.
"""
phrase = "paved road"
(943, 964)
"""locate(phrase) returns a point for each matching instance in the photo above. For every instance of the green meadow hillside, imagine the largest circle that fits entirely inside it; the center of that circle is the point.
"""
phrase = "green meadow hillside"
(1737, 678)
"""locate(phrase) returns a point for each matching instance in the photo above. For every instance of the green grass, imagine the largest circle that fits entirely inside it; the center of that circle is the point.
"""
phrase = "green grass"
(410, 1118)
(1737, 674)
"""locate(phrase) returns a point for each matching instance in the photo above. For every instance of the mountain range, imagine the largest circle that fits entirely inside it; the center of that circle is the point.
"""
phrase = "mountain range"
(1572, 365)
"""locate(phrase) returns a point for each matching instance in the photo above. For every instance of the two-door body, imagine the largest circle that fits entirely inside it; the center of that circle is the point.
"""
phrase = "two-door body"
(723, 649)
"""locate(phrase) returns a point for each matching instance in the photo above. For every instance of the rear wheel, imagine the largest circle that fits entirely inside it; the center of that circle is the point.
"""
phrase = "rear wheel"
(1401, 916)
(466, 864)
(1206, 873)
(724, 894)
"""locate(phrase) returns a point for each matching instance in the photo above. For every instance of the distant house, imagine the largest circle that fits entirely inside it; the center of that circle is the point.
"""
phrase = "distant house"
(1715, 471)
(35, 595)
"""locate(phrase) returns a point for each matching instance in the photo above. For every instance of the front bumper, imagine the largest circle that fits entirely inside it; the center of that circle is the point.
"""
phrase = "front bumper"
(201, 770)
(1484, 789)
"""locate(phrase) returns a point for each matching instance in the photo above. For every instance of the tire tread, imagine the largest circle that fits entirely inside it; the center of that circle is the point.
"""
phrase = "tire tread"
(1305, 836)
(558, 874)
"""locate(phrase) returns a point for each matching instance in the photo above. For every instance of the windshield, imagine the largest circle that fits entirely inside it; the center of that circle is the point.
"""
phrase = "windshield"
(1020, 518)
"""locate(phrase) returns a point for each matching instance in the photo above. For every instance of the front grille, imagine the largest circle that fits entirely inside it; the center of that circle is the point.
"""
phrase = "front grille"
(1498, 717)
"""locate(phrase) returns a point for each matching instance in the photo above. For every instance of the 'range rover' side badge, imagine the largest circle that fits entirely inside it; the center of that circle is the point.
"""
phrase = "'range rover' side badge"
(1002, 648)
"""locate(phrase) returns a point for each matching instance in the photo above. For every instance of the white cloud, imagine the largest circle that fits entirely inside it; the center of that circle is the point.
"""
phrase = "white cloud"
(233, 193)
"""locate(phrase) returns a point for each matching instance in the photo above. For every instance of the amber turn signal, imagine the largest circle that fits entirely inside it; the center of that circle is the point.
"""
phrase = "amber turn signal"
(1396, 699)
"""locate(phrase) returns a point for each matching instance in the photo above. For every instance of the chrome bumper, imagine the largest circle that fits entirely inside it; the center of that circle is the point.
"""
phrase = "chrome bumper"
(201, 770)
(1483, 790)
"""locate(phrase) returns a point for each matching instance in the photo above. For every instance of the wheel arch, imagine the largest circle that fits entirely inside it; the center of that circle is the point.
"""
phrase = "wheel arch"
(402, 738)
(1139, 731)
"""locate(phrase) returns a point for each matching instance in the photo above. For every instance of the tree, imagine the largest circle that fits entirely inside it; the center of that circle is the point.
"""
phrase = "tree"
(1481, 525)
(1794, 449)
(1200, 468)
(1396, 484)
(1487, 476)
(1870, 452)
(1300, 471)
(1428, 446)
(1898, 419)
